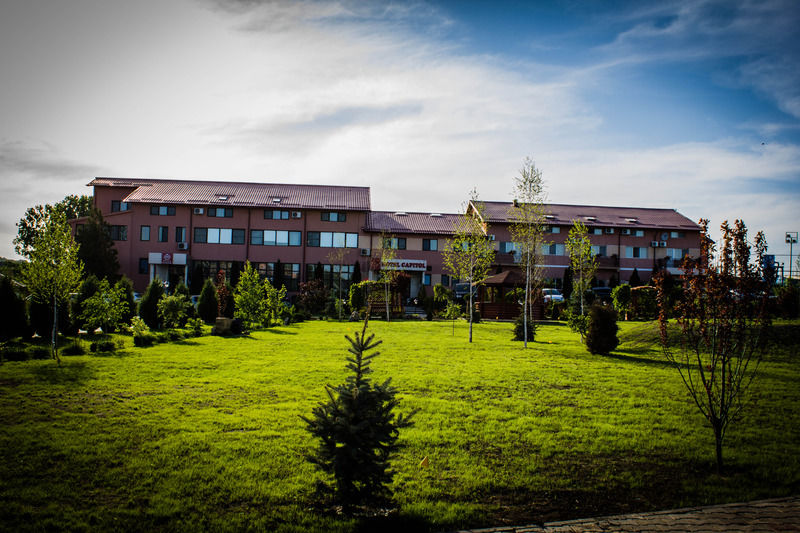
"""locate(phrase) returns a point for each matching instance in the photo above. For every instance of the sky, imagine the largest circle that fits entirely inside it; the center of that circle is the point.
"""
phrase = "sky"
(693, 106)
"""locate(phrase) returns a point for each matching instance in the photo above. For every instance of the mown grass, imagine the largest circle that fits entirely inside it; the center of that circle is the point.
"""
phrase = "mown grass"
(206, 434)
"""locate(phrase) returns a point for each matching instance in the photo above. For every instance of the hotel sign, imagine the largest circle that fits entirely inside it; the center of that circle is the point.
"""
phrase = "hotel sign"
(419, 265)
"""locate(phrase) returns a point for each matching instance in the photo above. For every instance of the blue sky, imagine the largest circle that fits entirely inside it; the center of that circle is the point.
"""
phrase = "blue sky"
(688, 105)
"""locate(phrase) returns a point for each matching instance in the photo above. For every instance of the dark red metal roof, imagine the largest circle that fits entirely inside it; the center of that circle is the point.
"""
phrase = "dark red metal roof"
(592, 216)
(241, 194)
(402, 222)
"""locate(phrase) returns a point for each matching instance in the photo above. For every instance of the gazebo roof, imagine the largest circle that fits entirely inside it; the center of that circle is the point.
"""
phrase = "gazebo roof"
(508, 278)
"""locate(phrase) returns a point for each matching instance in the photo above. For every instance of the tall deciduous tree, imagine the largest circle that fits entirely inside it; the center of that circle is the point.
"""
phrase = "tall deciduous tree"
(469, 254)
(36, 218)
(106, 308)
(54, 270)
(583, 265)
(723, 320)
(527, 232)
(388, 272)
(97, 250)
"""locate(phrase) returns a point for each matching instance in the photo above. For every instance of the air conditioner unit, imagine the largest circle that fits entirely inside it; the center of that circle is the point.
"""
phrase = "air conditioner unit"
(609, 231)
(653, 244)
(626, 231)
(198, 210)
(183, 246)
(365, 252)
(662, 244)
(296, 214)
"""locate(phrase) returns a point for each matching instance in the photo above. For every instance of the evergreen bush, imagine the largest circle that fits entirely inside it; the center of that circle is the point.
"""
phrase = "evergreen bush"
(601, 332)
(358, 430)
(13, 318)
(519, 328)
(207, 304)
(148, 306)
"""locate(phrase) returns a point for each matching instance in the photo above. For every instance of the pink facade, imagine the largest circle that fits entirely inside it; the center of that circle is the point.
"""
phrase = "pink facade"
(190, 230)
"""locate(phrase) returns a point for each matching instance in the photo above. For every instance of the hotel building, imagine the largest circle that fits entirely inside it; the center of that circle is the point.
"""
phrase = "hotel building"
(190, 230)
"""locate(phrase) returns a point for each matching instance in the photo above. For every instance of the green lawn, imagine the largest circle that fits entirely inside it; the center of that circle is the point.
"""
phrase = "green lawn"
(205, 433)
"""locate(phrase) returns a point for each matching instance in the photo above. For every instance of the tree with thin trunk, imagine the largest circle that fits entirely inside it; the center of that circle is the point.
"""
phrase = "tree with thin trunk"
(54, 270)
(527, 230)
(723, 321)
(336, 257)
(388, 269)
(469, 254)
(584, 265)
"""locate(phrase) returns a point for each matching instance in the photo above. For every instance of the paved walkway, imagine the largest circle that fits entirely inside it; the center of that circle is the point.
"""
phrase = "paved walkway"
(781, 515)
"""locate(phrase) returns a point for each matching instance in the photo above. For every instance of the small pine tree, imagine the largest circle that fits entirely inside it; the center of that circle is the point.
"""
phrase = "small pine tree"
(635, 280)
(130, 303)
(148, 307)
(207, 306)
(601, 333)
(519, 326)
(358, 430)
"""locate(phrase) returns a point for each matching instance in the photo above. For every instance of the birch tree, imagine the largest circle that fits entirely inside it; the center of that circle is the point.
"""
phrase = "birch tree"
(527, 230)
(54, 270)
(469, 254)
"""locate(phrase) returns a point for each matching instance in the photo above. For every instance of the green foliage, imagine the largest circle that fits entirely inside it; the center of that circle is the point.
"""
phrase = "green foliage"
(173, 311)
(566, 283)
(207, 305)
(273, 303)
(601, 332)
(788, 299)
(54, 270)
(249, 298)
(358, 429)
(469, 254)
(313, 297)
(97, 251)
(103, 346)
(621, 296)
(583, 264)
(36, 218)
(87, 289)
(521, 327)
(13, 317)
(148, 305)
(106, 308)
(130, 304)
(356, 297)
(644, 303)
(195, 325)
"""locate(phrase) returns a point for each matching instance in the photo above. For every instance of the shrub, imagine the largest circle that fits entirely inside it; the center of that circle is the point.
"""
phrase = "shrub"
(195, 325)
(146, 339)
(40, 353)
(621, 296)
(519, 328)
(788, 299)
(207, 304)
(173, 311)
(148, 307)
(357, 430)
(601, 333)
(644, 303)
(102, 346)
(75, 348)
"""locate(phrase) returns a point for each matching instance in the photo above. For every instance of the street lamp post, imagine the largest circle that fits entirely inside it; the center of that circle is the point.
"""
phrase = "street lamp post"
(791, 239)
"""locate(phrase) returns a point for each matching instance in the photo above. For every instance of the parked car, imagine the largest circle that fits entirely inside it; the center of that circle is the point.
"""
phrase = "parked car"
(552, 295)
(602, 294)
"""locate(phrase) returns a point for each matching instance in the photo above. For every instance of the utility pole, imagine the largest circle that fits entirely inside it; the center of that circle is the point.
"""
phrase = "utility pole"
(791, 239)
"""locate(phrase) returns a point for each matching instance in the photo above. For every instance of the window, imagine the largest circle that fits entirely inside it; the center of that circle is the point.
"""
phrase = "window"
(119, 233)
(144, 233)
(445, 280)
(430, 245)
(553, 249)
(180, 234)
(117, 206)
(201, 235)
(599, 250)
(332, 275)
(143, 265)
(508, 247)
(552, 229)
(238, 236)
(220, 212)
(334, 216)
(596, 231)
(276, 214)
(270, 237)
(635, 252)
(677, 235)
(395, 243)
(162, 210)
(426, 279)
(163, 233)
(640, 233)
(329, 239)
(291, 274)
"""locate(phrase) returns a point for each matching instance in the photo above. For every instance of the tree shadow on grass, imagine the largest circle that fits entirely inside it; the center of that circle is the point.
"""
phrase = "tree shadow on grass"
(278, 331)
(72, 373)
(629, 355)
